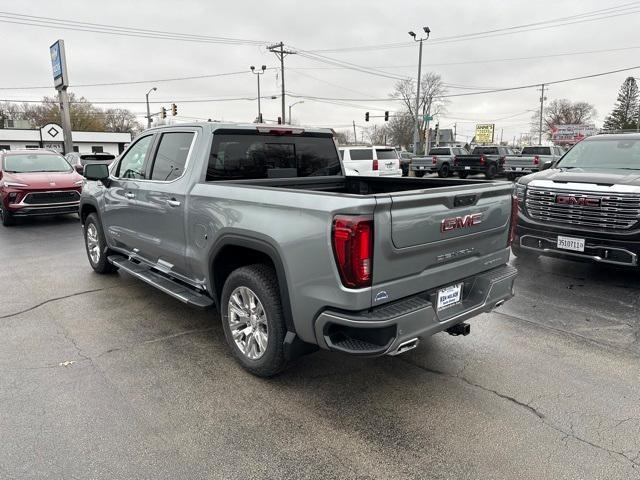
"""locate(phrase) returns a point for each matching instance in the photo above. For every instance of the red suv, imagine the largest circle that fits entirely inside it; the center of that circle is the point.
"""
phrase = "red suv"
(37, 182)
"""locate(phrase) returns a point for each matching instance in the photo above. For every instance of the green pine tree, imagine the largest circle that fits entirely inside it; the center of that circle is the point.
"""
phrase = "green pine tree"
(625, 113)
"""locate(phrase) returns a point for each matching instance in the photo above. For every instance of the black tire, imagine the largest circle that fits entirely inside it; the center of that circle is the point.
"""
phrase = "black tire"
(262, 282)
(444, 171)
(511, 177)
(492, 171)
(419, 173)
(101, 264)
(7, 218)
(523, 253)
(463, 174)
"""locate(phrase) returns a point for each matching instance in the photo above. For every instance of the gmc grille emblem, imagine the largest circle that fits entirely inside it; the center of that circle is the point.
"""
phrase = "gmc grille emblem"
(575, 200)
(455, 223)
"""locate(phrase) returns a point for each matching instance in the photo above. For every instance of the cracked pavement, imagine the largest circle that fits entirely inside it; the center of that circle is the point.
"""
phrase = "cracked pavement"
(104, 377)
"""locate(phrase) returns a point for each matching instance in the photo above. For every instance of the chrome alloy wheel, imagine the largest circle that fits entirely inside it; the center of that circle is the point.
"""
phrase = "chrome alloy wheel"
(248, 322)
(93, 244)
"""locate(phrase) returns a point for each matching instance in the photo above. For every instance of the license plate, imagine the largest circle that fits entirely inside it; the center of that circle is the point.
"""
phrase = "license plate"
(449, 295)
(467, 168)
(518, 169)
(421, 168)
(571, 243)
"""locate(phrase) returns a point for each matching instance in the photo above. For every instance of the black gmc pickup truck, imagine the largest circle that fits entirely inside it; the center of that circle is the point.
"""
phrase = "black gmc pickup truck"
(586, 205)
(485, 159)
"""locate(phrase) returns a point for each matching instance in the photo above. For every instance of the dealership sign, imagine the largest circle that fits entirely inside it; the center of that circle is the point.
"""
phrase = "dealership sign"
(484, 132)
(59, 65)
(572, 133)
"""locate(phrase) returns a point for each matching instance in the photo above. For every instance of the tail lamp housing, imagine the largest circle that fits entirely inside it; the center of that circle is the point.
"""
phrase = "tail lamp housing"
(375, 164)
(352, 239)
(434, 160)
(482, 160)
(536, 160)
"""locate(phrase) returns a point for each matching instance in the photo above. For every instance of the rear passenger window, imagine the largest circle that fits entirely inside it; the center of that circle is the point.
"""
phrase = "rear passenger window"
(171, 155)
(361, 154)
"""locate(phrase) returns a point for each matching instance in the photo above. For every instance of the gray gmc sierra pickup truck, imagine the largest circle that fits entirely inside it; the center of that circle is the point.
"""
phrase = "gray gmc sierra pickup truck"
(259, 222)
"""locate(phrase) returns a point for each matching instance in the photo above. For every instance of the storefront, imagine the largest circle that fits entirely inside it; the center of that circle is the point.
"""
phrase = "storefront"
(51, 136)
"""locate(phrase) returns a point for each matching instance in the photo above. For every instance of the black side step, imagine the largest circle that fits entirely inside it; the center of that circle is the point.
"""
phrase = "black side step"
(161, 282)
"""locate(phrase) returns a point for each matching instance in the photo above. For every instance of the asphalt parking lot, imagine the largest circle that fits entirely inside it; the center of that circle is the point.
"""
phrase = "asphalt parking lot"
(105, 377)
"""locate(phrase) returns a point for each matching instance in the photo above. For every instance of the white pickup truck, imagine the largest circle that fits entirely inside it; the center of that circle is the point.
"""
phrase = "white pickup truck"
(530, 160)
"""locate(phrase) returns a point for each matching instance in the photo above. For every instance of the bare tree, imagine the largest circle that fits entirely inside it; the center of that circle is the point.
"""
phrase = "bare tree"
(431, 101)
(342, 137)
(377, 135)
(400, 130)
(562, 112)
(121, 120)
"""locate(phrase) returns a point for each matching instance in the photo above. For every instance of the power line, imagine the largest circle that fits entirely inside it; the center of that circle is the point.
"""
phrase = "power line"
(132, 102)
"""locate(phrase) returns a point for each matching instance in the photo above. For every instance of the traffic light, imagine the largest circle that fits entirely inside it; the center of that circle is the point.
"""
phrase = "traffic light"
(163, 112)
(174, 109)
(366, 117)
(386, 116)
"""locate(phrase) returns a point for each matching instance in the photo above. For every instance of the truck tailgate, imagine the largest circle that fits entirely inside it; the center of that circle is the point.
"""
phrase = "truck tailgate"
(469, 161)
(526, 162)
(434, 237)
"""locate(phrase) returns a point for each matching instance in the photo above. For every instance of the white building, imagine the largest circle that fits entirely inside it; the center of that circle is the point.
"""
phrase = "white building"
(51, 136)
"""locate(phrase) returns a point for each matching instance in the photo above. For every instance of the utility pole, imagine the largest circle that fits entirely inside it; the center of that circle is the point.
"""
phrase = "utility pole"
(257, 74)
(280, 52)
(455, 132)
(416, 133)
(355, 136)
(148, 109)
(542, 99)
(501, 133)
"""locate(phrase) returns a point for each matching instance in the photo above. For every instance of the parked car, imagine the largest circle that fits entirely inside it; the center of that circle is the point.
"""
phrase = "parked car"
(440, 160)
(530, 160)
(405, 161)
(587, 206)
(37, 182)
(260, 222)
(483, 159)
(79, 160)
(371, 161)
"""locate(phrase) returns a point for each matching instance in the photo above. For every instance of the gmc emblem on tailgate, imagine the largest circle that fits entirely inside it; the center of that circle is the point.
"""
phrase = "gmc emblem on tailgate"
(575, 200)
(465, 221)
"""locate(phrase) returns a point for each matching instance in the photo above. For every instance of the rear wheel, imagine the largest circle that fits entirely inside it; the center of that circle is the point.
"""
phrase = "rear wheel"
(492, 171)
(96, 245)
(463, 174)
(444, 171)
(7, 218)
(253, 321)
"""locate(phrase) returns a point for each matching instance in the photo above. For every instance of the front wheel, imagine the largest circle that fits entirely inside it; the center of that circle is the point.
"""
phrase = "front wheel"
(463, 174)
(7, 218)
(96, 245)
(252, 319)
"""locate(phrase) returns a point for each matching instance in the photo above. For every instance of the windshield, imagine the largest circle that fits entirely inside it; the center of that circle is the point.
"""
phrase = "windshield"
(439, 151)
(536, 151)
(35, 162)
(605, 153)
(386, 154)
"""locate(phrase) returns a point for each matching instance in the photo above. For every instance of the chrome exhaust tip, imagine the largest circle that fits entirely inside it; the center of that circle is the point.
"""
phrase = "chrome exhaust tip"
(405, 346)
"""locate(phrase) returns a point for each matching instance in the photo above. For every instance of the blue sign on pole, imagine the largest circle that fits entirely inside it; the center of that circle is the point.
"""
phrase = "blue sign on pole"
(58, 64)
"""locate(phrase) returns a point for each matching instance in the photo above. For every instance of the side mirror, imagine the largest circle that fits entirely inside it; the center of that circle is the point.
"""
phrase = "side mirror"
(79, 169)
(547, 165)
(97, 172)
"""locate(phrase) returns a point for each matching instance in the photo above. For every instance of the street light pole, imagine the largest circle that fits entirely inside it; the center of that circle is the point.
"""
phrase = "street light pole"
(258, 73)
(416, 133)
(294, 103)
(148, 110)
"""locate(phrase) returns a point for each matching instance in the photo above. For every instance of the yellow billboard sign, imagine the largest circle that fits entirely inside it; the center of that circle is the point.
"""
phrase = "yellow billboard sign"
(484, 132)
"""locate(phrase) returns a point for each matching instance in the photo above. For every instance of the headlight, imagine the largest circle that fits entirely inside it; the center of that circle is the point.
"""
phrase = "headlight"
(13, 184)
(521, 192)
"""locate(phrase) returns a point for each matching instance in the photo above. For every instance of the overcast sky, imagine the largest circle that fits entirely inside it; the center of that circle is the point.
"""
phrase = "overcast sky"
(318, 25)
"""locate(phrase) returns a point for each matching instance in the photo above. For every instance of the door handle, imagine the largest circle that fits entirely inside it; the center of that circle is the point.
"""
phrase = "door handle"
(130, 195)
(173, 203)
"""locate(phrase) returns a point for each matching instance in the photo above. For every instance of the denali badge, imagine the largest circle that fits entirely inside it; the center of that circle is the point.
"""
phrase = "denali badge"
(465, 221)
(576, 200)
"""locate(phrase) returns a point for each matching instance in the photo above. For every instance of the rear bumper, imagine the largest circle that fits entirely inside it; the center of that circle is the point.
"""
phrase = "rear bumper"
(424, 168)
(383, 329)
(520, 170)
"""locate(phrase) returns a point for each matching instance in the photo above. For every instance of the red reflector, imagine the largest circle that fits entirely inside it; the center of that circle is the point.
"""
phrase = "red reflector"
(375, 164)
(434, 160)
(353, 249)
(481, 159)
(455, 160)
(536, 160)
(514, 220)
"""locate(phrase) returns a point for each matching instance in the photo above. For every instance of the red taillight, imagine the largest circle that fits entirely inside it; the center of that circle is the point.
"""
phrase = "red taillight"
(481, 159)
(434, 160)
(375, 164)
(536, 160)
(353, 249)
(514, 220)
(455, 160)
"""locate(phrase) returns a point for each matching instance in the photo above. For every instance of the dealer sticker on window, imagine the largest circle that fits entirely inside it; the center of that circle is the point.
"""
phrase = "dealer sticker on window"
(449, 295)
